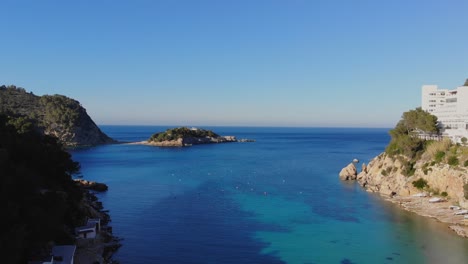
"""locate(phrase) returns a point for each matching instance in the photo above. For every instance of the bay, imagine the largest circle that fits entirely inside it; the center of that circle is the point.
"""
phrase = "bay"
(276, 200)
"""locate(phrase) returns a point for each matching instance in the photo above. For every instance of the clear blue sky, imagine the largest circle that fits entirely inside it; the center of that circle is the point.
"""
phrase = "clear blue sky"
(256, 63)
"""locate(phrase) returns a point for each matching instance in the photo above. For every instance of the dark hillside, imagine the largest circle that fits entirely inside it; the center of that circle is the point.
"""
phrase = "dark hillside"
(55, 115)
(41, 202)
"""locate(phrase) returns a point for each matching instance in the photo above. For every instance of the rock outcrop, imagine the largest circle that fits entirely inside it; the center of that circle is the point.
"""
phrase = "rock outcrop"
(385, 175)
(91, 185)
(349, 172)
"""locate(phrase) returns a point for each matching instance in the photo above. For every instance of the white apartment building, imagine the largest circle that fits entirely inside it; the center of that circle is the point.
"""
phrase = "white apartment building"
(450, 107)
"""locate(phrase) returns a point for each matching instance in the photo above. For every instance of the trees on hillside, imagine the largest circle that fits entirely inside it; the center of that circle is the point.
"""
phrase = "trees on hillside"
(41, 201)
(415, 120)
(404, 136)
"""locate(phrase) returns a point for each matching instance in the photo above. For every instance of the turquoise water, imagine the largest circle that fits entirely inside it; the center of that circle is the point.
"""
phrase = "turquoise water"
(277, 200)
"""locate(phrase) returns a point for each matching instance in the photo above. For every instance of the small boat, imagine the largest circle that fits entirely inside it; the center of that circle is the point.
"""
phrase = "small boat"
(465, 217)
(462, 212)
(436, 200)
(419, 195)
(454, 207)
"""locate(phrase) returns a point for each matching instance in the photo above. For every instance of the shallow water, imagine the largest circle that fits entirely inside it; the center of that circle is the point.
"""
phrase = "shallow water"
(277, 200)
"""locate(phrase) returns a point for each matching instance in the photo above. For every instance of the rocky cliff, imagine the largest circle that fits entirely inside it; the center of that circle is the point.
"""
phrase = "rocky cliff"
(385, 175)
(55, 115)
(428, 177)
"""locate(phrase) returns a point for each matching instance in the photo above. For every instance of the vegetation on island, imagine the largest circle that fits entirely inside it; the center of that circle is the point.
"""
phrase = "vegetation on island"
(50, 114)
(42, 201)
(182, 132)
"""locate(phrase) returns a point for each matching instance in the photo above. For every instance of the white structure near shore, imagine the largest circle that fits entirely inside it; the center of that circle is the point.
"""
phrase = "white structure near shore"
(450, 107)
(90, 230)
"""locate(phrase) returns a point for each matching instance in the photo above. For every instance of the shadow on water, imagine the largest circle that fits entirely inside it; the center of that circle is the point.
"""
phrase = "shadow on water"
(219, 232)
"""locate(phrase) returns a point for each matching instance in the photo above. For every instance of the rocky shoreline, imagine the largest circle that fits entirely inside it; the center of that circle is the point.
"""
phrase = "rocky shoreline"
(439, 211)
(394, 187)
(100, 249)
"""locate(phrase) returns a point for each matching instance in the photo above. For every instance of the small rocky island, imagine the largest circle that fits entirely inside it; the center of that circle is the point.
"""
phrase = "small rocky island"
(185, 137)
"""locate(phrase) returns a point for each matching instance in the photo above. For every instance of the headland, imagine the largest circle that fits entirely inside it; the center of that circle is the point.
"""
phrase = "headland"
(428, 176)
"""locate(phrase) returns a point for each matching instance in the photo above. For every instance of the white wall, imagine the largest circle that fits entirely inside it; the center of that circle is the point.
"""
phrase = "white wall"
(453, 114)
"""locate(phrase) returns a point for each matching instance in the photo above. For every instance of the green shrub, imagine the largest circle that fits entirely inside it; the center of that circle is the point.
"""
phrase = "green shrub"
(425, 165)
(465, 190)
(439, 156)
(444, 194)
(425, 168)
(435, 146)
(421, 184)
(408, 169)
(433, 163)
(386, 171)
(465, 163)
(453, 161)
(454, 149)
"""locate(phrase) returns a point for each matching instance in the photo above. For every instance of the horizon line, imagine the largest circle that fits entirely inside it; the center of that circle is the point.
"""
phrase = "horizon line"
(246, 126)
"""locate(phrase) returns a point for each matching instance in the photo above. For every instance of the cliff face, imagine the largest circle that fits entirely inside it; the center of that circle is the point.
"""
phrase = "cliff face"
(384, 175)
(83, 132)
(55, 115)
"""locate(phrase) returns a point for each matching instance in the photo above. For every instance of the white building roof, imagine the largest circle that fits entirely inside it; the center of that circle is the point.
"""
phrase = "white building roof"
(63, 254)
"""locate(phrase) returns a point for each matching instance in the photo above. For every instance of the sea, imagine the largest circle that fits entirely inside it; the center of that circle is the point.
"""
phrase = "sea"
(275, 200)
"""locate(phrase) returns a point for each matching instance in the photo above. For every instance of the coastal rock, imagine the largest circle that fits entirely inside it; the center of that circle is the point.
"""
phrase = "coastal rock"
(385, 176)
(460, 230)
(246, 140)
(348, 173)
(91, 185)
(364, 168)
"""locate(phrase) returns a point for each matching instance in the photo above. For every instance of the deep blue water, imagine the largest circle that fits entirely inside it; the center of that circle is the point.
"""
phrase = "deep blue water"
(277, 200)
